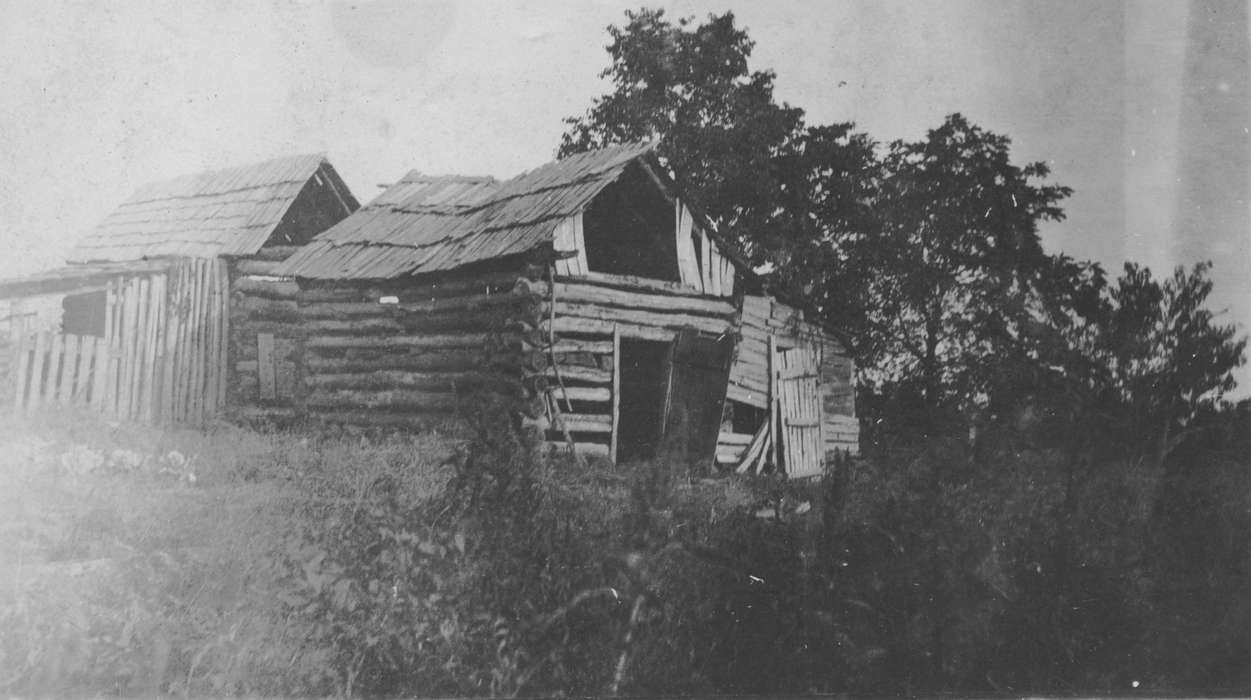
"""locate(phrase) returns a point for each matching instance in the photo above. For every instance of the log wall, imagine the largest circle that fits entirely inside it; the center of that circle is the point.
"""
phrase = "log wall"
(393, 355)
(583, 321)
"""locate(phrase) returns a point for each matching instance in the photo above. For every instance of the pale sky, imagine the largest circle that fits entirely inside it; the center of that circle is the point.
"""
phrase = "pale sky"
(96, 99)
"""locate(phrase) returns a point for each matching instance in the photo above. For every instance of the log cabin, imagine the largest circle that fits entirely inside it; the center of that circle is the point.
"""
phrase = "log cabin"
(141, 323)
(586, 289)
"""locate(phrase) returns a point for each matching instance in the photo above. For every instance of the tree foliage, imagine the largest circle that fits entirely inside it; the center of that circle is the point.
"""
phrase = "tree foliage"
(1163, 356)
(750, 163)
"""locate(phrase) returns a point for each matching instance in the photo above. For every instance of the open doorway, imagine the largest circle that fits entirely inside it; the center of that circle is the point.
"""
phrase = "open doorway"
(644, 386)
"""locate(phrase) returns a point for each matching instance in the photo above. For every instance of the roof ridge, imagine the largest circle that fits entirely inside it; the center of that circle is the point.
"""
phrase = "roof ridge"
(418, 176)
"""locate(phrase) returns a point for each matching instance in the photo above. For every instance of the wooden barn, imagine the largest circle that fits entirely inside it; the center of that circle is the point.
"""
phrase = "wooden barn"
(586, 289)
(142, 331)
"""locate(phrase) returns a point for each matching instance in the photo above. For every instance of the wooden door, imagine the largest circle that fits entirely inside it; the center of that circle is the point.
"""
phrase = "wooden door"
(699, 374)
(799, 412)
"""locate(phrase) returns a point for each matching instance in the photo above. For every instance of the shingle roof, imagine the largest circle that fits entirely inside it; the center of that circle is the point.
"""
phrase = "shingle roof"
(220, 212)
(426, 224)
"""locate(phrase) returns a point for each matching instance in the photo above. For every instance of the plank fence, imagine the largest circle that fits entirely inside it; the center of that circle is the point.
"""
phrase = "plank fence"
(161, 360)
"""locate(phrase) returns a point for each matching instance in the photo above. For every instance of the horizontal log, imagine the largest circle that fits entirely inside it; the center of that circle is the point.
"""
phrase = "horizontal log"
(725, 438)
(589, 449)
(731, 454)
(400, 379)
(589, 294)
(406, 325)
(482, 283)
(268, 289)
(243, 333)
(274, 310)
(246, 366)
(580, 393)
(706, 324)
(588, 326)
(274, 252)
(630, 282)
(427, 361)
(583, 423)
(453, 340)
(395, 399)
(574, 373)
(248, 266)
(758, 399)
(424, 306)
(594, 347)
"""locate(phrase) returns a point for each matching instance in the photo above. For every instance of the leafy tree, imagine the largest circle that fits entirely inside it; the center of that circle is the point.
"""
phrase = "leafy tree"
(766, 179)
(957, 266)
(1163, 355)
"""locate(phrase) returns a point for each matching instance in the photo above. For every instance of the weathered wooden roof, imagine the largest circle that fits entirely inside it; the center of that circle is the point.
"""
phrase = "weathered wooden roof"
(76, 277)
(220, 212)
(426, 224)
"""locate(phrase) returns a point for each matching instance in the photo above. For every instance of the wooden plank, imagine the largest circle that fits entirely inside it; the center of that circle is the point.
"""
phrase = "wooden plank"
(643, 300)
(140, 356)
(265, 366)
(52, 377)
(38, 364)
(180, 300)
(21, 363)
(705, 324)
(687, 265)
(593, 347)
(705, 262)
(588, 449)
(458, 340)
(773, 403)
(195, 413)
(212, 361)
(99, 373)
(587, 326)
(84, 375)
(258, 267)
(580, 393)
(69, 369)
(169, 345)
(152, 347)
(734, 438)
(114, 311)
(275, 252)
(223, 348)
(633, 283)
(579, 243)
(616, 394)
(754, 450)
(584, 423)
(576, 373)
(128, 332)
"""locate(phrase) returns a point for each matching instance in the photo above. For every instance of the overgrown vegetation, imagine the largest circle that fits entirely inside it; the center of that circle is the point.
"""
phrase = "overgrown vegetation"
(1054, 496)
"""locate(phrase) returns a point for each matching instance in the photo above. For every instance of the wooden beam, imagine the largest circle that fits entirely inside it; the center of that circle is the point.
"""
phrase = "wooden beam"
(594, 294)
(616, 393)
(633, 283)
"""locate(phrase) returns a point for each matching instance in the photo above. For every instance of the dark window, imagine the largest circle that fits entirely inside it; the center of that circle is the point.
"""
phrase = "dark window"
(629, 229)
(83, 314)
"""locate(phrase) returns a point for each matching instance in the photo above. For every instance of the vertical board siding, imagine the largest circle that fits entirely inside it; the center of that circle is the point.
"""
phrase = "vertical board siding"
(762, 319)
(161, 357)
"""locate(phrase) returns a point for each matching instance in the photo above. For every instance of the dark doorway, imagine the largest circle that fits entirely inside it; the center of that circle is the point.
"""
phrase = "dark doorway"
(644, 384)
